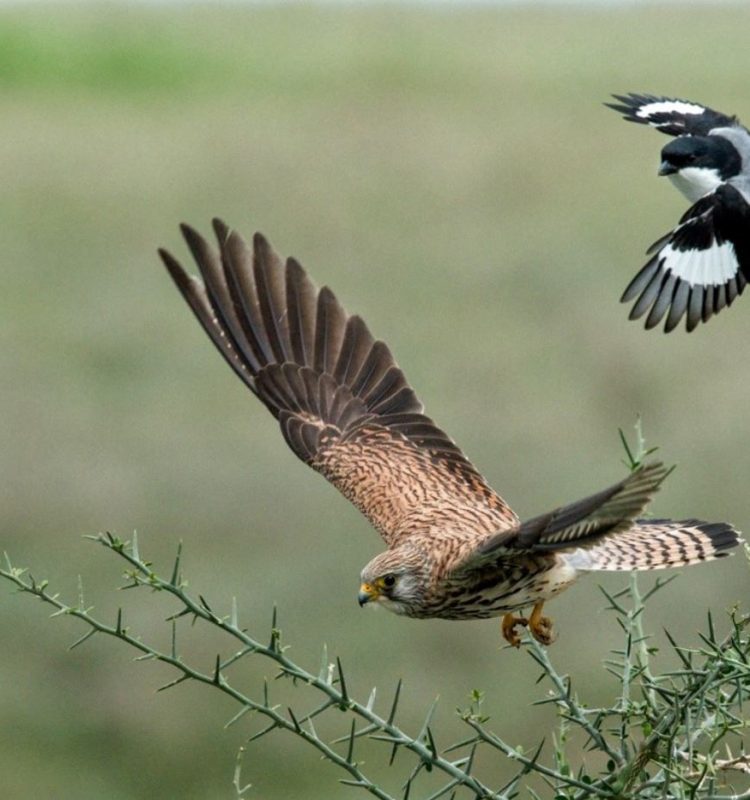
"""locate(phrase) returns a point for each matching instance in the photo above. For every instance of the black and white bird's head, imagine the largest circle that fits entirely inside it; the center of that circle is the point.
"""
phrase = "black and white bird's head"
(703, 264)
(697, 165)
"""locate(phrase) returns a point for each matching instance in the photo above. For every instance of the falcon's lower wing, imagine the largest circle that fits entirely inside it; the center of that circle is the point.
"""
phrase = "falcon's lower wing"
(602, 532)
(583, 522)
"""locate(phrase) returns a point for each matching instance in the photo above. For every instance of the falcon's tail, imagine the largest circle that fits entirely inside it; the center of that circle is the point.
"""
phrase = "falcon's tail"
(657, 544)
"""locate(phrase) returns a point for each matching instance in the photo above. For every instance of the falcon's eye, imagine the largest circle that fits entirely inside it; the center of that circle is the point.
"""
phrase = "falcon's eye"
(389, 580)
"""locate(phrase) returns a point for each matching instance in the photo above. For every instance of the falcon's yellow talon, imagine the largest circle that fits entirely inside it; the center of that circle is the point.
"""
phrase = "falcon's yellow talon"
(509, 629)
(541, 627)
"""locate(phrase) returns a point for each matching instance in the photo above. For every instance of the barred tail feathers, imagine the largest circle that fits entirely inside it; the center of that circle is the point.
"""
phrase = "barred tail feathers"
(657, 544)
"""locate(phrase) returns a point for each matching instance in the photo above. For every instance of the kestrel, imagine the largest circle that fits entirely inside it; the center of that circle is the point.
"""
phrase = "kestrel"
(704, 263)
(455, 549)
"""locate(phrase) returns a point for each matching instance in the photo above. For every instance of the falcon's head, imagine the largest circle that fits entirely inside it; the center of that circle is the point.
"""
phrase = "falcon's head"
(398, 580)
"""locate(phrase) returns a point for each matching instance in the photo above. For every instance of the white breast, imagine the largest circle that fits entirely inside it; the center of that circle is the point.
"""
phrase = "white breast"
(695, 182)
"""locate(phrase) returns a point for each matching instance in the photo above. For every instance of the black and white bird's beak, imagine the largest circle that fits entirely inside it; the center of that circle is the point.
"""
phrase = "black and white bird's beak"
(666, 168)
(703, 264)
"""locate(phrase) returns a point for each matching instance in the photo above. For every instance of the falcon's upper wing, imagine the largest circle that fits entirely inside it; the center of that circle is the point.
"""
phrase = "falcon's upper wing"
(579, 524)
(669, 115)
(700, 267)
(343, 404)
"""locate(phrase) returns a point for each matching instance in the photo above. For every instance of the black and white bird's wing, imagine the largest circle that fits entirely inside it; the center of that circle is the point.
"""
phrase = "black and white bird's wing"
(700, 267)
(670, 115)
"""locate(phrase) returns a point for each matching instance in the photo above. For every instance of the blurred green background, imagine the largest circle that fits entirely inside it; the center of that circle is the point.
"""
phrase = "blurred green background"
(453, 175)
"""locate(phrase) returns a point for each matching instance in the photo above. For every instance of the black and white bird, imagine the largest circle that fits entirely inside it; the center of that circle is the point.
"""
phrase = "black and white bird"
(703, 264)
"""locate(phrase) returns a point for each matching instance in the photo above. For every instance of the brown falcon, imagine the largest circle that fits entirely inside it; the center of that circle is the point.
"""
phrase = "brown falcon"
(455, 549)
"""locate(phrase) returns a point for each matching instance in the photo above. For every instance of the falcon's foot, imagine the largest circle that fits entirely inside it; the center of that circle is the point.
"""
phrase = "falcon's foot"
(509, 629)
(541, 627)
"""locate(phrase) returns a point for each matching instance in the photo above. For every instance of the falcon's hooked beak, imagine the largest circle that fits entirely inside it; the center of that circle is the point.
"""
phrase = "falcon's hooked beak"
(367, 593)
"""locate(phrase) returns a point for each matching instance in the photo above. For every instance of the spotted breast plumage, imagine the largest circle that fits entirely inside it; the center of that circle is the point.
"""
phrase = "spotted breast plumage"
(455, 548)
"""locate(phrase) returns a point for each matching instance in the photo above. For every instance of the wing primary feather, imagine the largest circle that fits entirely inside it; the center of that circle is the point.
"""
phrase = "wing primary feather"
(218, 292)
(391, 382)
(662, 302)
(648, 295)
(695, 306)
(641, 280)
(329, 331)
(678, 307)
(732, 290)
(377, 363)
(358, 342)
(720, 299)
(196, 297)
(709, 302)
(300, 294)
(237, 264)
(268, 273)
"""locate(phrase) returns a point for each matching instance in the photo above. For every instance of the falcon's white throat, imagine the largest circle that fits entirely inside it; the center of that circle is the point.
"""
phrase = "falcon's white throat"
(695, 182)
(394, 606)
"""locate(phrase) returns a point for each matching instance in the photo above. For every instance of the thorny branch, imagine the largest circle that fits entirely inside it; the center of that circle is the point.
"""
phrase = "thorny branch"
(659, 738)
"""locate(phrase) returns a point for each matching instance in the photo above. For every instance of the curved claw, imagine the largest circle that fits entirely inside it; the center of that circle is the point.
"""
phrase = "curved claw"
(540, 626)
(509, 629)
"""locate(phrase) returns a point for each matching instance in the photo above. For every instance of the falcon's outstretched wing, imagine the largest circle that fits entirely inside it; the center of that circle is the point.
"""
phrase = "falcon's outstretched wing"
(669, 115)
(344, 406)
(698, 268)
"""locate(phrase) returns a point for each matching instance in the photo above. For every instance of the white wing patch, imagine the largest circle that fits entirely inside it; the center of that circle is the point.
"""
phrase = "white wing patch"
(712, 267)
(668, 107)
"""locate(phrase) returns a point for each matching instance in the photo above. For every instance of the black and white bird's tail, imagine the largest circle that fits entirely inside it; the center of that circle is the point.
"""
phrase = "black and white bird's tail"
(657, 544)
